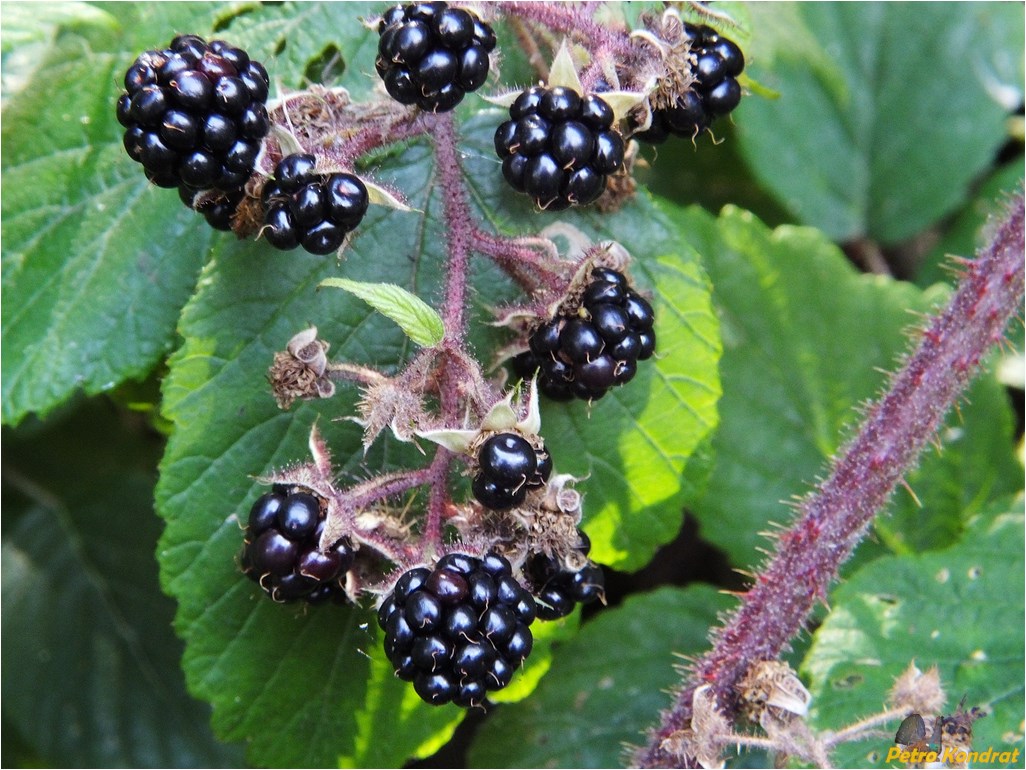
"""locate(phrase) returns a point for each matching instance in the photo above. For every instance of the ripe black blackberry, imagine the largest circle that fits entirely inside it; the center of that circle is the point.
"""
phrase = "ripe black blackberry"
(556, 589)
(508, 466)
(458, 631)
(598, 347)
(281, 549)
(717, 63)
(194, 116)
(432, 54)
(559, 147)
(315, 210)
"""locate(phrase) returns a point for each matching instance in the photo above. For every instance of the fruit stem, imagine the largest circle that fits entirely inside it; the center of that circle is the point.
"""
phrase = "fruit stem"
(573, 19)
(431, 543)
(459, 224)
(833, 518)
(526, 260)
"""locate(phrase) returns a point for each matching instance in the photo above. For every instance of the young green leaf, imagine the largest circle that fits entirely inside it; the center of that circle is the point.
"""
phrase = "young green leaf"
(418, 319)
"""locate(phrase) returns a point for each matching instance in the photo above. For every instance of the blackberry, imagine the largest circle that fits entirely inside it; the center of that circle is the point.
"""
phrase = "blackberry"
(508, 466)
(717, 61)
(194, 117)
(558, 590)
(281, 550)
(559, 147)
(317, 211)
(598, 347)
(458, 631)
(432, 54)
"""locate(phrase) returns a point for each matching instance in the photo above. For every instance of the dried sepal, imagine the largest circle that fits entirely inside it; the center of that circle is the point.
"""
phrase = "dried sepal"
(315, 475)
(917, 691)
(708, 729)
(771, 693)
(388, 404)
(301, 370)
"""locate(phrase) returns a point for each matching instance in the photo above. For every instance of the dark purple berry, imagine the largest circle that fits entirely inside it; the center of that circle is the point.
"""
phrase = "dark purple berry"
(560, 104)
(508, 459)
(580, 341)
(279, 228)
(298, 518)
(264, 512)
(273, 552)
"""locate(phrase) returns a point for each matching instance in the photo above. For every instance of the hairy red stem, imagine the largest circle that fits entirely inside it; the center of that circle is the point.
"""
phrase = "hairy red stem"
(459, 223)
(835, 516)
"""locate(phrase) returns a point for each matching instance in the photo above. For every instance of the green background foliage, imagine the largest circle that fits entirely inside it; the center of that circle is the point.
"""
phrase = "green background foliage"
(885, 132)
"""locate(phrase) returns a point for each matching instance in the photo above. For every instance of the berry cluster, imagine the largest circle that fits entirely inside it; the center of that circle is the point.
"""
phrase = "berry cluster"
(558, 590)
(459, 630)
(559, 147)
(432, 55)
(281, 550)
(718, 61)
(315, 210)
(194, 116)
(508, 466)
(585, 354)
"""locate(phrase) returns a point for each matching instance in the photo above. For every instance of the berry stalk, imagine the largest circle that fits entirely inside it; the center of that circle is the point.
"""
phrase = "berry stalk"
(834, 517)
(573, 19)
(460, 227)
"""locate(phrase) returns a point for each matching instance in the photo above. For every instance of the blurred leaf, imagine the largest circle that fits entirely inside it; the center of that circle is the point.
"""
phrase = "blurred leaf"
(805, 339)
(416, 318)
(968, 232)
(960, 609)
(606, 686)
(91, 665)
(880, 132)
(26, 23)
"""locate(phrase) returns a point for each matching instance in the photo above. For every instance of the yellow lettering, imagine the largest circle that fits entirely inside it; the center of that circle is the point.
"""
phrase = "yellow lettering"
(893, 753)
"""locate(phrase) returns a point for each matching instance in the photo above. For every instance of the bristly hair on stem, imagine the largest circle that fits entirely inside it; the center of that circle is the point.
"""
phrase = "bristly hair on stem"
(836, 515)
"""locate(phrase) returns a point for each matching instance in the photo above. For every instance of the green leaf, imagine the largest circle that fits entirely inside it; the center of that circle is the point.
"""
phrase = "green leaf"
(26, 24)
(960, 609)
(255, 660)
(418, 319)
(91, 665)
(606, 686)
(287, 36)
(805, 341)
(888, 111)
(96, 262)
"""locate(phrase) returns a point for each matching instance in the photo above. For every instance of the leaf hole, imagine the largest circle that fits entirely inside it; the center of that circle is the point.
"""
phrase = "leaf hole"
(848, 682)
(325, 67)
(226, 19)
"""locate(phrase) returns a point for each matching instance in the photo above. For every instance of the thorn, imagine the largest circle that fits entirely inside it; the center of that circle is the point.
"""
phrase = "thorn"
(908, 489)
